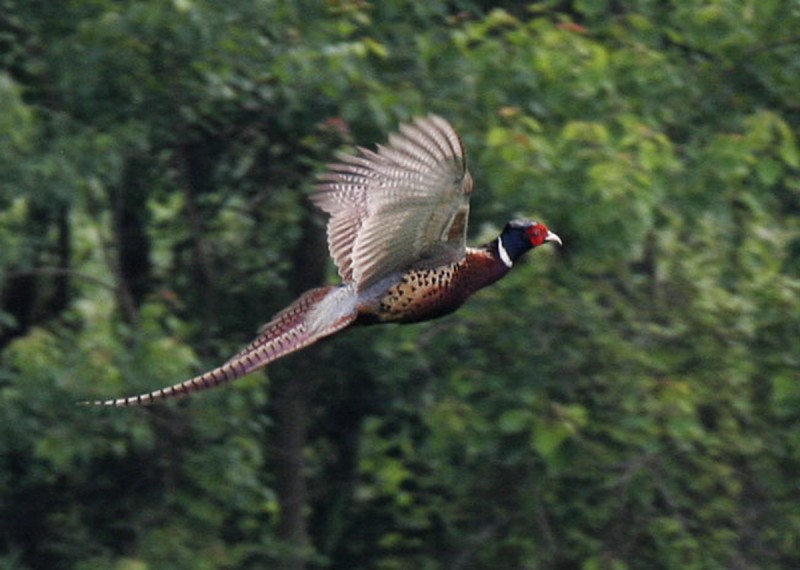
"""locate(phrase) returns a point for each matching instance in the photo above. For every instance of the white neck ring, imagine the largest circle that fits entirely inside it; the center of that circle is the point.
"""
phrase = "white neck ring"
(504, 257)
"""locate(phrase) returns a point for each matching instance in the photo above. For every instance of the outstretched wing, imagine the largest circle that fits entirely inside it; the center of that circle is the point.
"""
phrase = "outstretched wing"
(404, 206)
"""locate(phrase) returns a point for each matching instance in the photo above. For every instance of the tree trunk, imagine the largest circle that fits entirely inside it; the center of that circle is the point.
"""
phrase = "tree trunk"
(294, 391)
(196, 161)
(38, 294)
(131, 264)
(292, 423)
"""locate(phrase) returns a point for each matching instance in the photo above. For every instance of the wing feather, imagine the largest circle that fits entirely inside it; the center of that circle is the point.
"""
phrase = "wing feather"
(402, 206)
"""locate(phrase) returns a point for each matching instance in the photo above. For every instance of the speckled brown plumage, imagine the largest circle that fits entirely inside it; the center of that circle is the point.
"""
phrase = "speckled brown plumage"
(424, 294)
(397, 234)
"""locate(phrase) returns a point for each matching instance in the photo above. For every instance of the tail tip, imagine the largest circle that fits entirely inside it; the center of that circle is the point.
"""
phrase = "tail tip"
(129, 402)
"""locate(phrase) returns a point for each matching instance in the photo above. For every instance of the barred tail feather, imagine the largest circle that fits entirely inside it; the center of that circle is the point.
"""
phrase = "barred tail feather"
(285, 321)
(287, 332)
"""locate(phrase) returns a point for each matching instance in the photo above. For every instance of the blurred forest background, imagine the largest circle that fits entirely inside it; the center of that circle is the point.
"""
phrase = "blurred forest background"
(630, 401)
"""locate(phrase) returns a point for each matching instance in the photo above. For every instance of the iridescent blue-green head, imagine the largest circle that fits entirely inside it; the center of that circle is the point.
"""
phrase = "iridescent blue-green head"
(519, 236)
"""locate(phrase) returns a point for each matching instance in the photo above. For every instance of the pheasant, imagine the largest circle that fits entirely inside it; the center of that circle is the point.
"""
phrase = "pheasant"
(397, 234)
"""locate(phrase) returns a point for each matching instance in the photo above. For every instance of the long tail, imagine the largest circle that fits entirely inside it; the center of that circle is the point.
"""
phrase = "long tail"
(288, 331)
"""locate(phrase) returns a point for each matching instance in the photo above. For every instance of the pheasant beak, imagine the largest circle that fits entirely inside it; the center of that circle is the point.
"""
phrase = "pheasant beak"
(552, 237)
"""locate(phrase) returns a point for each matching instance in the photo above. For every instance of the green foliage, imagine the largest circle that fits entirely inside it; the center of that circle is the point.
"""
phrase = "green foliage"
(629, 401)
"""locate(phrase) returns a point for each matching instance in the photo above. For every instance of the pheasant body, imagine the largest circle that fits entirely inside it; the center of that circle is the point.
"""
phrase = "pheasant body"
(397, 233)
(425, 294)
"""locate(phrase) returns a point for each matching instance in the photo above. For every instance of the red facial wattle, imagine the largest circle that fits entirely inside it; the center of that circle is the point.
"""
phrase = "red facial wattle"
(538, 234)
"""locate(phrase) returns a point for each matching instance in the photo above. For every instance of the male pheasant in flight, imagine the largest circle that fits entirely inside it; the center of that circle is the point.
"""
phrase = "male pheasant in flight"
(397, 233)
